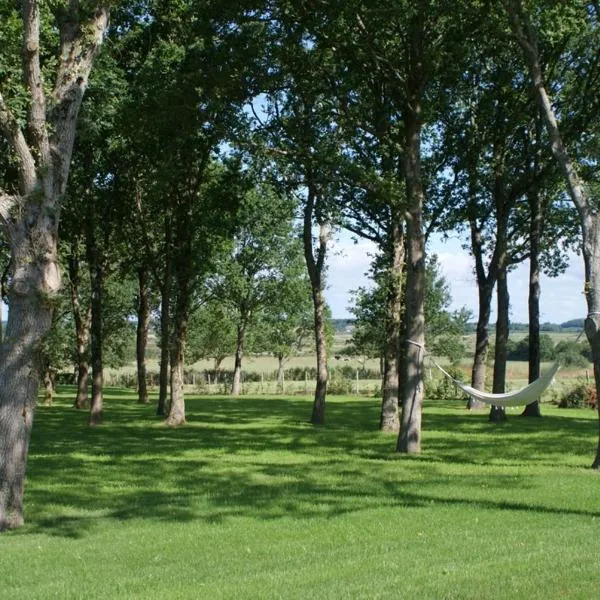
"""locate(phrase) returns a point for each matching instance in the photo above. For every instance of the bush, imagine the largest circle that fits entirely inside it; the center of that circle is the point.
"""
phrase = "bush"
(572, 354)
(444, 388)
(581, 396)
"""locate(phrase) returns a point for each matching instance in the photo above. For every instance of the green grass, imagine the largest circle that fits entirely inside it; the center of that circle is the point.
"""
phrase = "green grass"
(250, 501)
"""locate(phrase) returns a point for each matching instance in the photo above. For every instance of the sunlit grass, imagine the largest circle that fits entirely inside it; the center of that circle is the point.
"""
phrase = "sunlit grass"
(250, 501)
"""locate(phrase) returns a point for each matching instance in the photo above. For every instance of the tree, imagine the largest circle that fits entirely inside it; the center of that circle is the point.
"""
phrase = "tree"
(525, 34)
(264, 252)
(285, 324)
(30, 213)
(211, 333)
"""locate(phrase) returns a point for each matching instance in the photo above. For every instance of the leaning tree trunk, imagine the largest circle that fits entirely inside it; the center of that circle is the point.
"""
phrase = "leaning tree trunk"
(389, 419)
(30, 219)
(590, 220)
(236, 387)
(143, 326)
(316, 268)
(497, 413)
(535, 229)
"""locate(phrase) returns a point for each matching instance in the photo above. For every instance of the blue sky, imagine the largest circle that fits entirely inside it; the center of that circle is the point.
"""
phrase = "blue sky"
(562, 298)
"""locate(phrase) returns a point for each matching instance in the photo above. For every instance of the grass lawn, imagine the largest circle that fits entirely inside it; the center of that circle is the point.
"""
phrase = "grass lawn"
(250, 501)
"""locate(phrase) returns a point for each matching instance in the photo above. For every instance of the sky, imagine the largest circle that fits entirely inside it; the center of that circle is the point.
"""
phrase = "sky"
(561, 299)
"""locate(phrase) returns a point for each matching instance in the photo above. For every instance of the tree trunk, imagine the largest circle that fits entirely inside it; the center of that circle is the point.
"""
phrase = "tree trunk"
(31, 224)
(165, 321)
(485, 289)
(280, 373)
(182, 276)
(143, 326)
(176, 415)
(389, 419)
(316, 266)
(82, 332)
(409, 438)
(318, 411)
(29, 319)
(482, 341)
(236, 388)
(535, 229)
(497, 413)
(48, 386)
(97, 287)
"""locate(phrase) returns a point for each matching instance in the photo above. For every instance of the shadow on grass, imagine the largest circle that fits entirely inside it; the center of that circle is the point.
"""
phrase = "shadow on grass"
(259, 457)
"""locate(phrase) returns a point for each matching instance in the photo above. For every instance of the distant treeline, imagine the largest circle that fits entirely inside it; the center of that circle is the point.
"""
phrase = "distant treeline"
(342, 325)
(573, 324)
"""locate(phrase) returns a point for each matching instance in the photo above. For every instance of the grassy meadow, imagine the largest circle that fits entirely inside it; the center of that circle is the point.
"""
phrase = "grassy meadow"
(248, 500)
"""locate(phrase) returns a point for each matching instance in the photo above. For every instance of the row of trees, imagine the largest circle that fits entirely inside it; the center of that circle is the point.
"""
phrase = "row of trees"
(391, 119)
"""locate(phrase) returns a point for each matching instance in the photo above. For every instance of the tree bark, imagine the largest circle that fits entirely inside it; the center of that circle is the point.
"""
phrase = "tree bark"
(280, 373)
(409, 438)
(535, 231)
(31, 221)
(143, 326)
(82, 332)
(482, 341)
(48, 386)
(390, 414)
(165, 320)
(236, 388)
(176, 416)
(182, 276)
(97, 288)
(316, 266)
(485, 289)
(498, 413)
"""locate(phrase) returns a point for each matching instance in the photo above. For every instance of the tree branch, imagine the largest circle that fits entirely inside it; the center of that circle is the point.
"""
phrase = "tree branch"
(80, 43)
(32, 72)
(10, 127)
(7, 202)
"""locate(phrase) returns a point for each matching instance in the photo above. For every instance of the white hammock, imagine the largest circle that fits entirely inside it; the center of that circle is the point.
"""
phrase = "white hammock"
(526, 395)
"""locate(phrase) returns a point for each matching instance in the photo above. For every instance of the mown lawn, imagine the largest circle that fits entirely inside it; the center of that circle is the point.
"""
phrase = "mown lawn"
(250, 501)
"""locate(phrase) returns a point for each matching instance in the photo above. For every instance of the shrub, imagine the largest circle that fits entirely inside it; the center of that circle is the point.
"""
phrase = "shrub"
(582, 395)
(444, 388)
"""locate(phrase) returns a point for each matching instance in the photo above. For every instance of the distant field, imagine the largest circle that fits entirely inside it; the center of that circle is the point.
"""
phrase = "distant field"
(264, 367)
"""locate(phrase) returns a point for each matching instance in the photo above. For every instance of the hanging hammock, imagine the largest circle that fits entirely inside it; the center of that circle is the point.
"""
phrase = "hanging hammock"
(526, 395)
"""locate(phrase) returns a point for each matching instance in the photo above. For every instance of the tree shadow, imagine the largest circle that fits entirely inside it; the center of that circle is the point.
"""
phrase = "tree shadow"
(260, 457)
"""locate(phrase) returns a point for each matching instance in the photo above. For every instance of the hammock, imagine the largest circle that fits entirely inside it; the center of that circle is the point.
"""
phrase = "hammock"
(526, 395)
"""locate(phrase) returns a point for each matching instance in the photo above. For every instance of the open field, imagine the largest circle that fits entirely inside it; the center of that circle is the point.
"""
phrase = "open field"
(250, 501)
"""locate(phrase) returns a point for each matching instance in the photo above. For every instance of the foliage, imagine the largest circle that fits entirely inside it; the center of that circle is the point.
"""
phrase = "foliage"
(211, 333)
(571, 353)
(582, 395)
(444, 329)
(520, 350)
